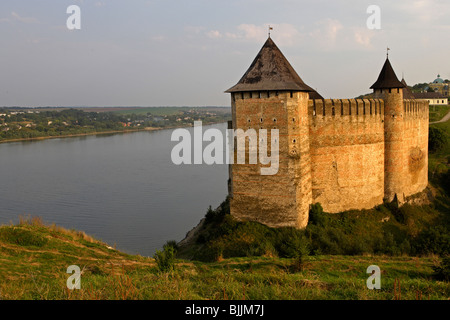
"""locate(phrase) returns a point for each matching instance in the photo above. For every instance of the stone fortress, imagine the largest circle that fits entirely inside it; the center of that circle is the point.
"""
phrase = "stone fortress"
(342, 153)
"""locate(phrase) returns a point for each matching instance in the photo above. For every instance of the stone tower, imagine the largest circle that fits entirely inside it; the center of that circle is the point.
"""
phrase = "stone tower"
(390, 89)
(271, 95)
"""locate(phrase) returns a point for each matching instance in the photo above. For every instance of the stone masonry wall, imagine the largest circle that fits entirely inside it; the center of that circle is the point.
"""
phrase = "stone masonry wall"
(415, 134)
(282, 199)
(344, 153)
(347, 153)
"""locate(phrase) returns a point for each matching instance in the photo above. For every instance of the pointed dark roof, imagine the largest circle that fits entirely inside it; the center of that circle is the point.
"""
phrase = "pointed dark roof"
(387, 78)
(407, 93)
(315, 95)
(270, 70)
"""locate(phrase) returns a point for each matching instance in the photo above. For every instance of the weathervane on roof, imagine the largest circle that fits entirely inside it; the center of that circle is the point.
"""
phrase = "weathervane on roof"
(270, 28)
(387, 52)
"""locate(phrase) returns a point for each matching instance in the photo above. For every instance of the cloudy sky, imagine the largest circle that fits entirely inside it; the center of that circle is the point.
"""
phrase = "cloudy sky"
(188, 52)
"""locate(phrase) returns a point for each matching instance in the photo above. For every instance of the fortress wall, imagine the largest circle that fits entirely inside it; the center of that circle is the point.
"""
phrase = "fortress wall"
(275, 200)
(415, 137)
(347, 153)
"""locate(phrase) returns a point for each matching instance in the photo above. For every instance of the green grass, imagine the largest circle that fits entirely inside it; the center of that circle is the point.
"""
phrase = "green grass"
(437, 112)
(29, 271)
(39, 272)
(439, 162)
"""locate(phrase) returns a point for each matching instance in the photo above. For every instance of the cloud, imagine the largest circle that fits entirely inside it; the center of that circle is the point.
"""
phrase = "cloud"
(27, 20)
(252, 32)
(214, 34)
(363, 37)
(425, 10)
(285, 34)
(326, 32)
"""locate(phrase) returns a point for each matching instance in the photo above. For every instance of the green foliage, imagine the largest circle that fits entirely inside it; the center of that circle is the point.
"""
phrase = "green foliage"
(165, 259)
(316, 215)
(419, 87)
(387, 229)
(437, 139)
(291, 243)
(171, 243)
(433, 240)
(57, 122)
(442, 271)
(445, 181)
(224, 237)
(22, 237)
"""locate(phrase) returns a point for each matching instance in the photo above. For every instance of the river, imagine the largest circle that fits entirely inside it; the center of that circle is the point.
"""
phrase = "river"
(122, 189)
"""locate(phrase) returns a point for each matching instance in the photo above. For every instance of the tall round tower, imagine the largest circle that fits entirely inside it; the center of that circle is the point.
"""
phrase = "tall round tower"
(271, 95)
(390, 89)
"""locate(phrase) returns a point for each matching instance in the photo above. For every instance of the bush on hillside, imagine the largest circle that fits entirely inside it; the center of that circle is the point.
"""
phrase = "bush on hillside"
(442, 271)
(165, 259)
(436, 139)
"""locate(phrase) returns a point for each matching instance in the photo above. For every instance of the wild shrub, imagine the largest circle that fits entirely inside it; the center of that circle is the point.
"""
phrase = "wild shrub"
(433, 240)
(436, 139)
(317, 216)
(171, 243)
(165, 259)
(291, 243)
(442, 271)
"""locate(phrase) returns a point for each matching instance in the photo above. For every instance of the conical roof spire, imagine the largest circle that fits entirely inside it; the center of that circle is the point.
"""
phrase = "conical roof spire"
(270, 70)
(387, 78)
(407, 94)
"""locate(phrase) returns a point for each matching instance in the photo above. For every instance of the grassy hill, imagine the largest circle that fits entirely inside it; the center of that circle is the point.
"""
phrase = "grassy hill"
(35, 257)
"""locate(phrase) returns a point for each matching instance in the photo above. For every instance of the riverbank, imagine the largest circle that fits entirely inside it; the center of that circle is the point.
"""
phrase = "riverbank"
(80, 134)
(98, 133)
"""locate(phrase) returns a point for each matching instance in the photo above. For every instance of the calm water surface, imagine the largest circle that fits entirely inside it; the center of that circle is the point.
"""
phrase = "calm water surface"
(122, 189)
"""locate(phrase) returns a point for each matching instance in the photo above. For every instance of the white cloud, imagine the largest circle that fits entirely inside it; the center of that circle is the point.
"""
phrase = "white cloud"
(363, 36)
(253, 32)
(214, 34)
(17, 17)
(426, 10)
(284, 33)
(326, 32)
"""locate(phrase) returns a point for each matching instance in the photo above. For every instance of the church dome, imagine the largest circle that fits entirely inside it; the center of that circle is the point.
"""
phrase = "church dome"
(438, 79)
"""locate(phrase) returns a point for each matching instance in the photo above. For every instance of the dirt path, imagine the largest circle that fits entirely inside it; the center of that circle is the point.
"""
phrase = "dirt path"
(444, 119)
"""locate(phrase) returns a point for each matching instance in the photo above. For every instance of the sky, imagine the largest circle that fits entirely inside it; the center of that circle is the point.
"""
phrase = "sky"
(188, 52)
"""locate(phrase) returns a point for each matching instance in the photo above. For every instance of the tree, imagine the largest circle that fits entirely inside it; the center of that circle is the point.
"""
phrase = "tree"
(436, 139)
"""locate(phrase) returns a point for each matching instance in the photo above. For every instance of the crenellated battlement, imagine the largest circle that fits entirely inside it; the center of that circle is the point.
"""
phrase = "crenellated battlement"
(415, 108)
(327, 109)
